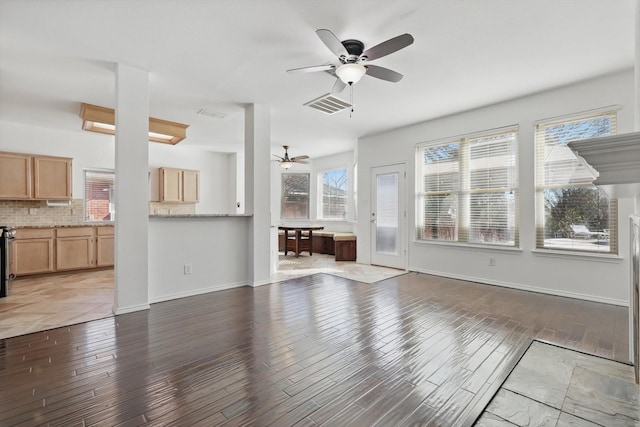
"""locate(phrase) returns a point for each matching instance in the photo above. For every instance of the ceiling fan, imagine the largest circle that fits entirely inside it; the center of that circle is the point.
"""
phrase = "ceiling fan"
(286, 162)
(353, 59)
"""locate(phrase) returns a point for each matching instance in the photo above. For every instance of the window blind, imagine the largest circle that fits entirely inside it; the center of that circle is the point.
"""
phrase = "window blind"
(334, 194)
(571, 213)
(468, 189)
(98, 195)
(295, 195)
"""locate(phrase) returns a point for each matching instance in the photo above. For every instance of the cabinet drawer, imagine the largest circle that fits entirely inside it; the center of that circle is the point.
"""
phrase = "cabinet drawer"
(75, 232)
(34, 233)
(105, 231)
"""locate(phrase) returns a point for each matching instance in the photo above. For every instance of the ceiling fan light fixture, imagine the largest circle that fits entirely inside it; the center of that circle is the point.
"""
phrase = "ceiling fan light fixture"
(351, 73)
(286, 164)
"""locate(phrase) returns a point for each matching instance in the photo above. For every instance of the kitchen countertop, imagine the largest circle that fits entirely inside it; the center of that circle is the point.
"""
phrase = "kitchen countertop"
(199, 215)
(64, 225)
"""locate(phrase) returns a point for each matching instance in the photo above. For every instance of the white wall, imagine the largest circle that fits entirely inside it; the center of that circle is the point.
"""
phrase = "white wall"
(314, 167)
(93, 150)
(583, 277)
(216, 249)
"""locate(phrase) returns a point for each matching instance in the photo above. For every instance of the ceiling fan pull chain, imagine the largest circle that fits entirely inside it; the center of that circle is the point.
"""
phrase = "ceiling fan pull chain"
(351, 99)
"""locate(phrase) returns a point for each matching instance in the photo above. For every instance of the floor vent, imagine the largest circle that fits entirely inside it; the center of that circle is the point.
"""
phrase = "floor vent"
(328, 104)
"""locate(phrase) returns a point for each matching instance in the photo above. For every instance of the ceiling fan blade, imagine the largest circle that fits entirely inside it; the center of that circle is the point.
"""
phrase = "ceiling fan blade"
(383, 73)
(275, 155)
(332, 42)
(390, 46)
(338, 86)
(298, 158)
(302, 162)
(312, 69)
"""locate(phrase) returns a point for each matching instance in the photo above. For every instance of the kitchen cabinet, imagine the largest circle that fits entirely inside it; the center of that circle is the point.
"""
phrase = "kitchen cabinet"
(48, 250)
(15, 176)
(105, 247)
(179, 185)
(33, 177)
(75, 248)
(33, 251)
(52, 178)
(190, 186)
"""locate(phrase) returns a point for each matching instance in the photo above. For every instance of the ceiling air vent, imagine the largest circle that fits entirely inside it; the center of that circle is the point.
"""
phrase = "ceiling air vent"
(328, 104)
(212, 114)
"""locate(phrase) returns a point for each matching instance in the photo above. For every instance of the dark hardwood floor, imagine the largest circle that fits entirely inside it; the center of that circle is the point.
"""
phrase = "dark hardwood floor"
(319, 350)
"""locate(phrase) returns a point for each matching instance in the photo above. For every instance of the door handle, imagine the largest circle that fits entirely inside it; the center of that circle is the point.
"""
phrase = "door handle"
(373, 221)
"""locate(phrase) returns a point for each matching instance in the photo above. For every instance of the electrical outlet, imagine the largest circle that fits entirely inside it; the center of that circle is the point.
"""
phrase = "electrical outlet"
(33, 211)
(187, 269)
(492, 262)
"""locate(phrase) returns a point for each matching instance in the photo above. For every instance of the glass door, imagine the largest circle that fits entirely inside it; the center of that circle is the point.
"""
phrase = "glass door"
(388, 216)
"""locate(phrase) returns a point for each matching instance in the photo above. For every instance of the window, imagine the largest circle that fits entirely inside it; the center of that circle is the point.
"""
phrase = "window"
(334, 194)
(572, 213)
(295, 195)
(468, 189)
(98, 195)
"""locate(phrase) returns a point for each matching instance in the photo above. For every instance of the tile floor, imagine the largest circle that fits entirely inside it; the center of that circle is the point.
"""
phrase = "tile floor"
(290, 267)
(553, 386)
(46, 302)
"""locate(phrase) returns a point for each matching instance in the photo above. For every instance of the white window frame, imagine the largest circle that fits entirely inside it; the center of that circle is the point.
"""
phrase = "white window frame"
(111, 198)
(321, 195)
(282, 195)
(462, 190)
(542, 242)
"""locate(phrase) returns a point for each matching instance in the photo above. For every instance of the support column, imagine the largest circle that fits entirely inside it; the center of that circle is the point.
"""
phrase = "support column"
(637, 69)
(132, 190)
(257, 143)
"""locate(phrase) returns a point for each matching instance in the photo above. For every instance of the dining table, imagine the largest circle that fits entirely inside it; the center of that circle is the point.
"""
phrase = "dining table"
(298, 239)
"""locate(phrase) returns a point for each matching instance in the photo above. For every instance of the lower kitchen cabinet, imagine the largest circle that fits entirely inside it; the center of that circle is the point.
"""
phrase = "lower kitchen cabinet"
(47, 250)
(75, 248)
(105, 247)
(33, 251)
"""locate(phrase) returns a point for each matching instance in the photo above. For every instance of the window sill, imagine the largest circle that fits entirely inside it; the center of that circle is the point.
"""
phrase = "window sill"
(470, 246)
(610, 258)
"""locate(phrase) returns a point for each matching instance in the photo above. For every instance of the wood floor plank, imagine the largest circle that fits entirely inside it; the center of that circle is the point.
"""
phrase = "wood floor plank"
(317, 350)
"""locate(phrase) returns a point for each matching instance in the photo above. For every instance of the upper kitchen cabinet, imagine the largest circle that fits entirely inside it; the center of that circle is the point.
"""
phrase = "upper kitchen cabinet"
(190, 186)
(179, 185)
(26, 176)
(52, 178)
(15, 176)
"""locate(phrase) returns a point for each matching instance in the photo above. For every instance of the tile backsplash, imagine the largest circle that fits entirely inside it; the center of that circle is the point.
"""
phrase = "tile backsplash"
(37, 213)
(159, 208)
(23, 213)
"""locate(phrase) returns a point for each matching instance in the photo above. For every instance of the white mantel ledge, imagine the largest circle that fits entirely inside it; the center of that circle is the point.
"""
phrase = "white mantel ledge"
(616, 158)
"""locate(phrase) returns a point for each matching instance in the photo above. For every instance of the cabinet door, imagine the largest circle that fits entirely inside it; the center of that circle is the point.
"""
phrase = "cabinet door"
(32, 256)
(15, 176)
(52, 178)
(73, 253)
(170, 185)
(105, 247)
(190, 186)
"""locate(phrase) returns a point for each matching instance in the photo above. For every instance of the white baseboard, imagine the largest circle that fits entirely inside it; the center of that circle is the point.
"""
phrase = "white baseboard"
(195, 292)
(260, 283)
(521, 287)
(130, 309)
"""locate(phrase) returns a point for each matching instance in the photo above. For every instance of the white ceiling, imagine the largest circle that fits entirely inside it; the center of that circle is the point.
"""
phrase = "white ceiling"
(222, 54)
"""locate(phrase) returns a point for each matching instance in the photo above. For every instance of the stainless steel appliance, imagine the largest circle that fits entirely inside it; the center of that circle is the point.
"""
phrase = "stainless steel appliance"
(7, 235)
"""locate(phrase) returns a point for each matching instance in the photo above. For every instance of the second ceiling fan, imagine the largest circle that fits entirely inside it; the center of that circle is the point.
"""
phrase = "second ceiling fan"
(286, 162)
(354, 59)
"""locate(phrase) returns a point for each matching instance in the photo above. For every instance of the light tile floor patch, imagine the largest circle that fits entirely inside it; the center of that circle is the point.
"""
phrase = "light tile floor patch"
(290, 267)
(553, 386)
